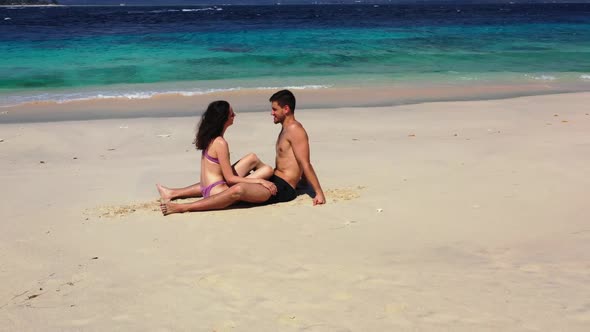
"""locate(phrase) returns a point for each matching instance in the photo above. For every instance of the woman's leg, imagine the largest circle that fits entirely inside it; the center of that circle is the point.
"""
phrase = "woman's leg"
(252, 167)
(168, 194)
(245, 192)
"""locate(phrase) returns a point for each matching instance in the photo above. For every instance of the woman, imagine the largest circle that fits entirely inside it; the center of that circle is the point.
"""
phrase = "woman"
(217, 173)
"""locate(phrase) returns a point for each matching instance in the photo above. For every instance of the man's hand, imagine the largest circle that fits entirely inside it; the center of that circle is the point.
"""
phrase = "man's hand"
(270, 186)
(319, 199)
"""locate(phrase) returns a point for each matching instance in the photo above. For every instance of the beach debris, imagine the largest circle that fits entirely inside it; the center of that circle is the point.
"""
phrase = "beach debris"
(355, 139)
(564, 121)
(1, 140)
(32, 296)
(412, 135)
(95, 257)
(164, 135)
(111, 149)
(7, 18)
(42, 162)
(123, 127)
(379, 210)
(555, 114)
(75, 158)
(456, 135)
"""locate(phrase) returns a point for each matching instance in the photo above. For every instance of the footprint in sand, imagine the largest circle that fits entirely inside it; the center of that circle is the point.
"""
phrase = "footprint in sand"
(346, 224)
(341, 296)
(344, 194)
(294, 321)
(581, 314)
(582, 232)
(323, 328)
(82, 322)
(288, 319)
(439, 317)
(114, 211)
(333, 195)
(218, 283)
(531, 268)
(395, 308)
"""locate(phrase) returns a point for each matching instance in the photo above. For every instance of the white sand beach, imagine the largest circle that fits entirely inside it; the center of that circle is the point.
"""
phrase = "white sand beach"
(448, 216)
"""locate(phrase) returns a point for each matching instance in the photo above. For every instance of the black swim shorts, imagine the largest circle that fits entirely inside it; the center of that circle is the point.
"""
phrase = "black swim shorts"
(285, 192)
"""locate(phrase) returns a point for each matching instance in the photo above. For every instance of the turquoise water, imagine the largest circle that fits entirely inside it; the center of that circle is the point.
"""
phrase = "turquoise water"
(101, 52)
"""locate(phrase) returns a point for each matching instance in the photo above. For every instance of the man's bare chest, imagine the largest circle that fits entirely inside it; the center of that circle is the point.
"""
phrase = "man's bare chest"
(283, 146)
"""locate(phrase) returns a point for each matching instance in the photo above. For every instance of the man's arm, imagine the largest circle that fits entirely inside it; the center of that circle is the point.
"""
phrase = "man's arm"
(300, 145)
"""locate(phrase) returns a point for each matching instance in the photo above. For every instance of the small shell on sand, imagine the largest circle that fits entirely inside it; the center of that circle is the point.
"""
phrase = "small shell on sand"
(164, 135)
(379, 210)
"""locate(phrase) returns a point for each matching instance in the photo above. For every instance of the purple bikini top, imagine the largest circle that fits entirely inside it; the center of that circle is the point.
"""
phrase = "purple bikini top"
(211, 159)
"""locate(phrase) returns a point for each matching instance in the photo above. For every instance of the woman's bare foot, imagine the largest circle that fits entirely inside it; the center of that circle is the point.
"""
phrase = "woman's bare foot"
(165, 193)
(168, 207)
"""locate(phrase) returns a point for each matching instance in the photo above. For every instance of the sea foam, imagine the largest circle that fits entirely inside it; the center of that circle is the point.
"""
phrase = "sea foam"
(163, 11)
(201, 9)
(541, 77)
(61, 98)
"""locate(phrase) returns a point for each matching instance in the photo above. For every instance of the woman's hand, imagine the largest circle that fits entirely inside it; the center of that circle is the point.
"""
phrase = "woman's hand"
(270, 186)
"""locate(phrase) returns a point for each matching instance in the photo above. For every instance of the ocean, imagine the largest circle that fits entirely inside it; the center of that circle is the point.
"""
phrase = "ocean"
(83, 52)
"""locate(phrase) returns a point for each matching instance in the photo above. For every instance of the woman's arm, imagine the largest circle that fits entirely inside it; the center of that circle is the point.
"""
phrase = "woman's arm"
(222, 148)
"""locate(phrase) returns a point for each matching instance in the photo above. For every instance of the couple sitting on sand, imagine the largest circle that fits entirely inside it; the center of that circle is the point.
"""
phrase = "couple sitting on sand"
(248, 180)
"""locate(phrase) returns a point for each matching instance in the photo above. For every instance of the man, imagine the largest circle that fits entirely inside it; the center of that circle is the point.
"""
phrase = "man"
(292, 161)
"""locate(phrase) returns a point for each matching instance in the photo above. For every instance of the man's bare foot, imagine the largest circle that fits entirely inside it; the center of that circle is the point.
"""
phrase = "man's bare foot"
(168, 207)
(165, 193)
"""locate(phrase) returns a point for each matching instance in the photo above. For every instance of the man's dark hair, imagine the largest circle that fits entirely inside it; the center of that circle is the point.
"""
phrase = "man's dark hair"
(211, 124)
(284, 97)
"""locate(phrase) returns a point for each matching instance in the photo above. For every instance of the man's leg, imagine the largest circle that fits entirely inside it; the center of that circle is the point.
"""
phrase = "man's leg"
(172, 193)
(252, 167)
(241, 192)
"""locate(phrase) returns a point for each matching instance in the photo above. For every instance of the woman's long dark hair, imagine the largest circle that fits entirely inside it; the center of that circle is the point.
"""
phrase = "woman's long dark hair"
(211, 124)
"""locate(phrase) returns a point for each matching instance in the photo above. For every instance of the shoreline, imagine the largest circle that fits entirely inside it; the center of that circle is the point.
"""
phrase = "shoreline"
(255, 100)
